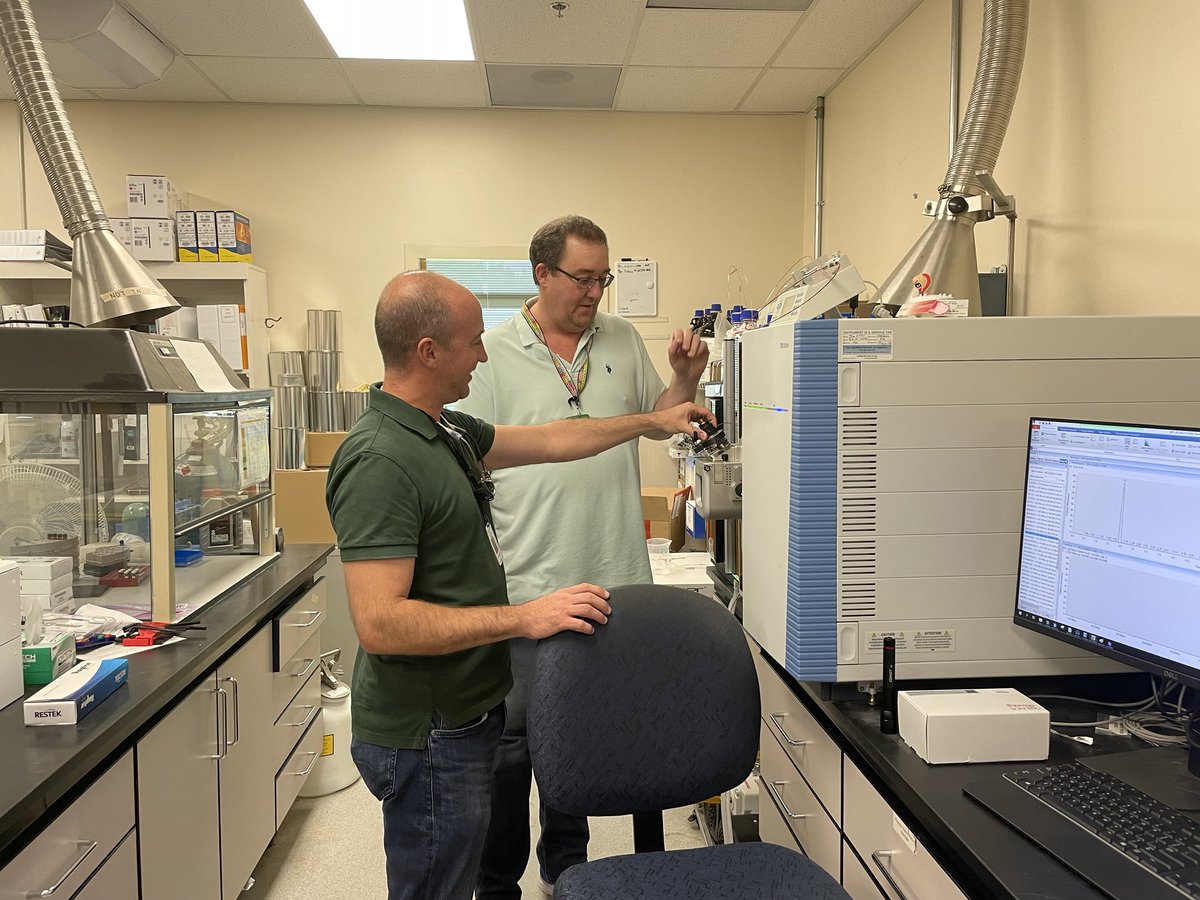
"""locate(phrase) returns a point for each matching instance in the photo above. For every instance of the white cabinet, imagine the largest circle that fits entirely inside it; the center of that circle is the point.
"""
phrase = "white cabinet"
(192, 284)
(79, 842)
(815, 798)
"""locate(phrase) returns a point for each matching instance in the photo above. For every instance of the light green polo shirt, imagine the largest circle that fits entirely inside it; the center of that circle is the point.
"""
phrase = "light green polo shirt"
(394, 491)
(563, 523)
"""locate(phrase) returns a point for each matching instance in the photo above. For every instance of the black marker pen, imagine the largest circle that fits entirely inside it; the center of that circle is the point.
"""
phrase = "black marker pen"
(887, 715)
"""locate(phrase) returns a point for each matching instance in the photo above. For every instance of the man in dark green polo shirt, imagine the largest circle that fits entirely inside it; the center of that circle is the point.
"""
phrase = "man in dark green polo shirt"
(408, 495)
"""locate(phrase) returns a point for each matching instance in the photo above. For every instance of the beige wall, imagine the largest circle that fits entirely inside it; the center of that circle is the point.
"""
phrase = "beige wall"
(1100, 153)
(336, 194)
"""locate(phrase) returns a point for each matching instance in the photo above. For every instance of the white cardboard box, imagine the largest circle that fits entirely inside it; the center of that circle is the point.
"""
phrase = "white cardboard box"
(10, 601)
(973, 725)
(43, 567)
(154, 240)
(152, 197)
(46, 585)
(12, 678)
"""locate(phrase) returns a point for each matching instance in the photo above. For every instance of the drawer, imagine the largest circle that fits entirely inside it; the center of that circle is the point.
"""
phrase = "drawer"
(294, 673)
(117, 879)
(296, 717)
(816, 833)
(295, 771)
(812, 750)
(891, 853)
(857, 883)
(772, 829)
(75, 844)
(293, 627)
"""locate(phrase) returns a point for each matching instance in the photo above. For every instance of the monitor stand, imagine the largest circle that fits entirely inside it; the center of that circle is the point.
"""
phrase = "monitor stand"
(1161, 772)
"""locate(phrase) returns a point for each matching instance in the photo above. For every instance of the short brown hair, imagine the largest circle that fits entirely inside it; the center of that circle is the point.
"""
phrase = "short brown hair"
(551, 239)
(410, 308)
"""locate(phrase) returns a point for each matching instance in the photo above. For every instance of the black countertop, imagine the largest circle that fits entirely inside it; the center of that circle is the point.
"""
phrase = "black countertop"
(46, 768)
(987, 858)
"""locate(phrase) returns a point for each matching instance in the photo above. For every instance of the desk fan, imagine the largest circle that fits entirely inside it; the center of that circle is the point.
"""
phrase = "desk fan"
(38, 500)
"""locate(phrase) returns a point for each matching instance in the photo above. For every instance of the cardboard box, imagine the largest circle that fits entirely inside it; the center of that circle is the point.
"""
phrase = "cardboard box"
(319, 446)
(221, 325)
(181, 323)
(661, 504)
(44, 567)
(72, 696)
(152, 197)
(185, 236)
(206, 235)
(974, 725)
(61, 602)
(154, 240)
(10, 601)
(300, 506)
(123, 231)
(233, 237)
(46, 660)
(12, 686)
(46, 585)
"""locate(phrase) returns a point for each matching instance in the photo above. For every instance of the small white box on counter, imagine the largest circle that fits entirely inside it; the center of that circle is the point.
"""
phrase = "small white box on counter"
(61, 602)
(72, 696)
(43, 568)
(974, 725)
(46, 585)
(152, 197)
(154, 240)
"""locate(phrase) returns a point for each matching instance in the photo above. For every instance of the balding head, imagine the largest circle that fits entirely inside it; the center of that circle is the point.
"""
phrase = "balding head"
(415, 305)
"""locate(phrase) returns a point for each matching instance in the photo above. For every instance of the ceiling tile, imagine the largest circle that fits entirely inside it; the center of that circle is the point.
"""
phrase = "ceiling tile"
(316, 81)
(182, 81)
(65, 92)
(790, 90)
(394, 82)
(590, 32)
(710, 37)
(838, 33)
(683, 90)
(233, 27)
(569, 87)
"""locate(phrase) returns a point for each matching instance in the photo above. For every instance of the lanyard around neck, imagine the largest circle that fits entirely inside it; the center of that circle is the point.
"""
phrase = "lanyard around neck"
(574, 386)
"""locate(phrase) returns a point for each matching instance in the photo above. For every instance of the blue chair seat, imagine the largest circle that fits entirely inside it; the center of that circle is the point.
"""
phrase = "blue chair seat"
(729, 872)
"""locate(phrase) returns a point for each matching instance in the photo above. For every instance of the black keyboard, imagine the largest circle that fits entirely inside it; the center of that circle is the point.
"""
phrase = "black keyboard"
(1124, 842)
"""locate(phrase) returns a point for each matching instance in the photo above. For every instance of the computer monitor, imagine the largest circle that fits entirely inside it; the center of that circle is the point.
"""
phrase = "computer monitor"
(1110, 543)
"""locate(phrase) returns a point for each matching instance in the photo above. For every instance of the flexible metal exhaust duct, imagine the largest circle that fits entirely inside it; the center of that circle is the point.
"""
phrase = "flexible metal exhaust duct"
(946, 251)
(108, 286)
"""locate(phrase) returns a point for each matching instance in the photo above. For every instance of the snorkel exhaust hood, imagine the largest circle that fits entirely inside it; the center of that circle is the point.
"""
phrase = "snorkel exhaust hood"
(946, 251)
(108, 286)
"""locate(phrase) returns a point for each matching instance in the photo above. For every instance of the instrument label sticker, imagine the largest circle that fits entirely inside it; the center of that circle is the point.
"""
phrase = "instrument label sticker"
(874, 343)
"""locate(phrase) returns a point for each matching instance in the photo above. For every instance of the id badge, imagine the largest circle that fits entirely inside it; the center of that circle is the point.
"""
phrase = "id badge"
(491, 533)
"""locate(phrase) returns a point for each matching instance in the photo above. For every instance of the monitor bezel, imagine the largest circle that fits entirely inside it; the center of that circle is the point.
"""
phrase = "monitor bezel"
(1145, 662)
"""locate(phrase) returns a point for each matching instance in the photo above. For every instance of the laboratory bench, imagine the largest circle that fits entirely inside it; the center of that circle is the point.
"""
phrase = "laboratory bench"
(888, 825)
(131, 794)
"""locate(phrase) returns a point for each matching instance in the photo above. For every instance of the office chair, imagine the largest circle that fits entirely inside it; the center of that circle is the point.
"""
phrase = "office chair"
(658, 709)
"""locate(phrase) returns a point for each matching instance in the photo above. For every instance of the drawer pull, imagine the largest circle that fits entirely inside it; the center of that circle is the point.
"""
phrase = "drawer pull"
(877, 856)
(237, 714)
(315, 613)
(312, 714)
(775, 717)
(315, 756)
(311, 665)
(771, 785)
(50, 891)
(222, 724)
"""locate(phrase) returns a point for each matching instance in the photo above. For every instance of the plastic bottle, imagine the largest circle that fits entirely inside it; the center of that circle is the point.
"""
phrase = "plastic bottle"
(68, 442)
(721, 329)
(710, 321)
(135, 519)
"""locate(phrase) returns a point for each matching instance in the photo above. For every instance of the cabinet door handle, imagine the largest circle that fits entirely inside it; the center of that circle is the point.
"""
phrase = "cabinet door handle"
(237, 715)
(222, 723)
(315, 613)
(307, 669)
(877, 856)
(312, 714)
(775, 717)
(771, 789)
(315, 756)
(50, 891)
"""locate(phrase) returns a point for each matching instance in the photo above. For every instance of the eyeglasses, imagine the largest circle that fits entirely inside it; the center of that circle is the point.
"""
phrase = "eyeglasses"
(464, 451)
(588, 283)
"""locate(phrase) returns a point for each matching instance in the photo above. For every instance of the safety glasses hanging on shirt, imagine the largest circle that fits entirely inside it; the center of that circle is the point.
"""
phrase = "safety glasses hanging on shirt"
(468, 458)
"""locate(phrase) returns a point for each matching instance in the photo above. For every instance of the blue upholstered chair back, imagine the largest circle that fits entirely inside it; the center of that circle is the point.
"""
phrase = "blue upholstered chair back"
(658, 709)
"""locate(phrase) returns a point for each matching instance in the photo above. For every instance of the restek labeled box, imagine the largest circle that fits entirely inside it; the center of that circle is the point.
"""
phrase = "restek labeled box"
(974, 725)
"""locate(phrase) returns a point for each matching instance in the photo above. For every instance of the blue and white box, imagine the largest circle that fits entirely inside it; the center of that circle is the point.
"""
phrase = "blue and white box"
(72, 696)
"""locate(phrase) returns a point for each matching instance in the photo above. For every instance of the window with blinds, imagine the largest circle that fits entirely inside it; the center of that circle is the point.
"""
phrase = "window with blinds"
(501, 285)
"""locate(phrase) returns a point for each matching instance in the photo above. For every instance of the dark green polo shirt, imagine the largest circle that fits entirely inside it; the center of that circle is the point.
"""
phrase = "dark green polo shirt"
(395, 490)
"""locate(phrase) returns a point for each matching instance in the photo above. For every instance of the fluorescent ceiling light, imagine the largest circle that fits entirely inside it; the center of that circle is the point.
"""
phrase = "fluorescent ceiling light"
(395, 29)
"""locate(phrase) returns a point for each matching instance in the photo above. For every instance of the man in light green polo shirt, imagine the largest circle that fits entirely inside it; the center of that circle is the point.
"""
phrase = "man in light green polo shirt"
(408, 494)
(580, 521)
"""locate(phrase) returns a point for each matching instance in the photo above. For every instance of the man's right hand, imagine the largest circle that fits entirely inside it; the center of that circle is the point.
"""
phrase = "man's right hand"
(567, 609)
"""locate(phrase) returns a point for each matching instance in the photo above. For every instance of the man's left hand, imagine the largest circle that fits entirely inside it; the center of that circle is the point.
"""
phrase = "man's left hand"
(688, 355)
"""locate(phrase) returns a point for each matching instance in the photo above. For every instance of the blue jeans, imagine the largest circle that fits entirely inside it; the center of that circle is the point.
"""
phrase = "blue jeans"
(564, 838)
(436, 806)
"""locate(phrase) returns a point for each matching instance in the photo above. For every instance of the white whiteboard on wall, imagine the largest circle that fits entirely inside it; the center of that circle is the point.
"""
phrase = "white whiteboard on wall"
(637, 287)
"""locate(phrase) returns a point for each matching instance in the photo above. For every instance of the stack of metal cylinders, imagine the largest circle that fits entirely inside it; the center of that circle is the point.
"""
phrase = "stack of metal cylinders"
(354, 404)
(291, 413)
(323, 368)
